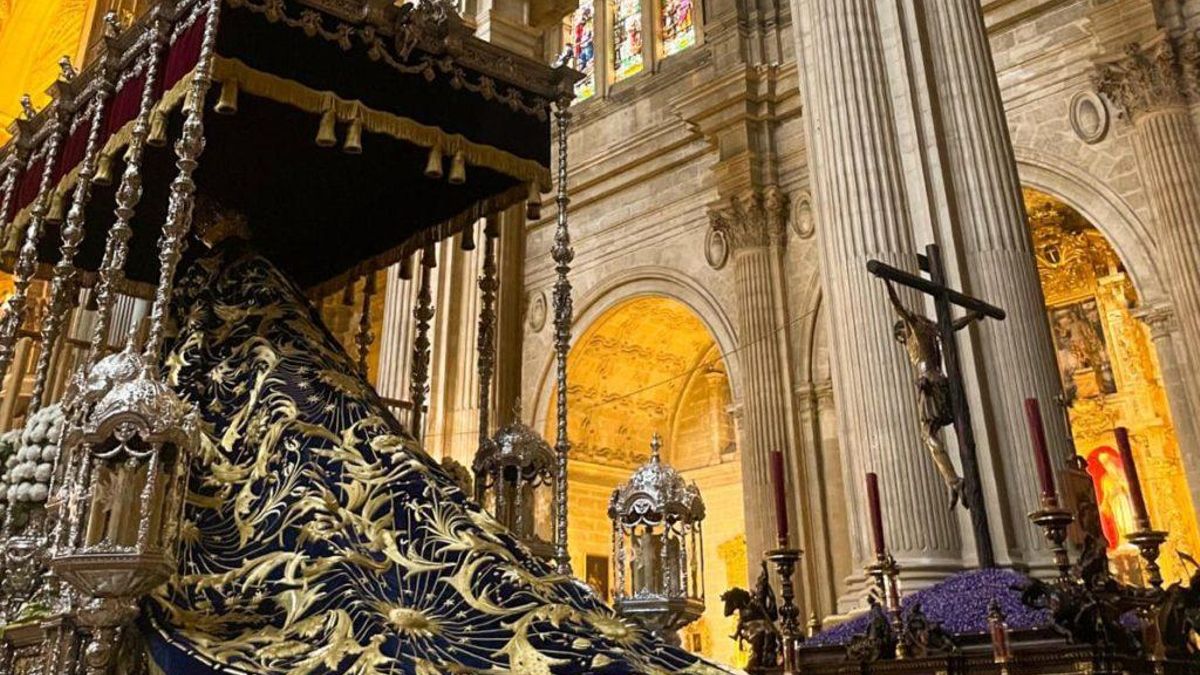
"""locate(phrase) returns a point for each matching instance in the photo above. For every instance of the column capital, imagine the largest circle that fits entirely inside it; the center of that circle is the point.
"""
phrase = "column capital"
(752, 218)
(1161, 73)
(1160, 319)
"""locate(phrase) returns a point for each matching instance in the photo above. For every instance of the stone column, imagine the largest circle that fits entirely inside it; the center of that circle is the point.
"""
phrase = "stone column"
(1015, 360)
(752, 224)
(861, 211)
(1163, 330)
(1151, 84)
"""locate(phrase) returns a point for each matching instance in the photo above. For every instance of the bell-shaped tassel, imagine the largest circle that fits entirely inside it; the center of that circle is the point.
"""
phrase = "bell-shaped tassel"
(468, 238)
(58, 207)
(104, 174)
(227, 102)
(327, 132)
(353, 144)
(158, 128)
(433, 168)
(533, 205)
(458, 169)
(369, 283)
(406, 268)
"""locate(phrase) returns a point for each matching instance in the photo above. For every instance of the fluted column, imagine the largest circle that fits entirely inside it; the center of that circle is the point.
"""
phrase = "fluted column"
(753, 225)
(1152, 83)
(1163, 330)
(1015, 357)
(860, 204)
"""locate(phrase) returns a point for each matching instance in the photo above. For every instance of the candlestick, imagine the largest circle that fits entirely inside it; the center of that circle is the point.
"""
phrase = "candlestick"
(1037, 436)
(876, 514)
(781, 506)
(1054, 521)
(1131, 474)
(785, 560)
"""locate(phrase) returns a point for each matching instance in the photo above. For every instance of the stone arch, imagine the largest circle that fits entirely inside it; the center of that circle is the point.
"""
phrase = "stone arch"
(646, 281)
(1105, 208)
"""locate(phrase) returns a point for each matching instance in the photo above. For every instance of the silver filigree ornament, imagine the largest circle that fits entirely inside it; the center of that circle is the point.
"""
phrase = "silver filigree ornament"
(514, 474)
(658, 547)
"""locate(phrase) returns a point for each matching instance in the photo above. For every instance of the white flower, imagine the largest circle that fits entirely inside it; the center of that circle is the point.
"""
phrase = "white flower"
(42, 473)
(10, 494)
(11, 461)
(23, 492)
(38, 493)
(49, 453)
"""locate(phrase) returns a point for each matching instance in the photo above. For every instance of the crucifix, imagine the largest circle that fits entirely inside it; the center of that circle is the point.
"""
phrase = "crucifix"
(933, 351)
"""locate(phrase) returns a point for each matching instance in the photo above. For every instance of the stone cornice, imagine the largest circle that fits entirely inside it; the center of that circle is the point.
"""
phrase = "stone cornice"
(1160, 74)
(753, 218)
(1160, 319)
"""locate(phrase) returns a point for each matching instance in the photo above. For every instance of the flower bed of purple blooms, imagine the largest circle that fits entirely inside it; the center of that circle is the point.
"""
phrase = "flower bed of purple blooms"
(959, 604)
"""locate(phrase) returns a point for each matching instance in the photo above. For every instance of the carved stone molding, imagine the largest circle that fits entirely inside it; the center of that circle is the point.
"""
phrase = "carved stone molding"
(1159, 319)
(753, 218)
(1161, 74)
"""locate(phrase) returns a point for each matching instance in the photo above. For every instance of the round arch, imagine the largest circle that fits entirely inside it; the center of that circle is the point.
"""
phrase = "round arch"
(647, 282)
(1106, 210)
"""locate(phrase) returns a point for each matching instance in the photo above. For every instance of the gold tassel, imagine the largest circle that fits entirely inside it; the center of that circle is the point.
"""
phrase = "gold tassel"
(458, 169)
(227, 104)
(433, 168)
(58, 207)
(353, 144)
(327, 132)
(158, 128)
(103, 175)
(533, 206)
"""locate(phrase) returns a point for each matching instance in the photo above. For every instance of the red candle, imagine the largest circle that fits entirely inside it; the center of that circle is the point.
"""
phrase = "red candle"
(876, 514)
(1131, 475)
(779, 480)
(1037, 435)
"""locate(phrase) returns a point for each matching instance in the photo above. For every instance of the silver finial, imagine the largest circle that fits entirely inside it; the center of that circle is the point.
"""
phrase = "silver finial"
(68, 70)
(27, 106)
(112, 24)
(656, 447)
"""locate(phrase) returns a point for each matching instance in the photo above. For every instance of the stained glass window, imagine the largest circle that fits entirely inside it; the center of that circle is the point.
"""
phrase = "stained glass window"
(627, 38)
(583, 46)
(678, 26)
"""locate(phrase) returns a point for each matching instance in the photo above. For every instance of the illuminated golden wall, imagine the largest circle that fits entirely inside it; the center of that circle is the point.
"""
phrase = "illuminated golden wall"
(650, 365)
(1108, 363)
(34, 35)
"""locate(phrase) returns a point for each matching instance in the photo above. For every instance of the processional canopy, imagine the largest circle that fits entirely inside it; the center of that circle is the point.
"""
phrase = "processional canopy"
(349, 133)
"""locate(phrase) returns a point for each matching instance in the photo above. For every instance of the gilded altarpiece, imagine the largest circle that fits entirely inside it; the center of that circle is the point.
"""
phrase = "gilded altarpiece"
(1111, 378)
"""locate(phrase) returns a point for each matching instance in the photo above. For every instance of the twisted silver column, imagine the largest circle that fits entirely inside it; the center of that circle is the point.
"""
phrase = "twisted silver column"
(563, 254)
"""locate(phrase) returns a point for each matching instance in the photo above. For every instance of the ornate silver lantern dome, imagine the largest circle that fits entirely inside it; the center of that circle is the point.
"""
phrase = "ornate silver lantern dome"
(658, 547)
(514, 481)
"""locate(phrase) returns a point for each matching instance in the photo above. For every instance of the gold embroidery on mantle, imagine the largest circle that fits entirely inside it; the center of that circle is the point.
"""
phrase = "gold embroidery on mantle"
(1107, 360)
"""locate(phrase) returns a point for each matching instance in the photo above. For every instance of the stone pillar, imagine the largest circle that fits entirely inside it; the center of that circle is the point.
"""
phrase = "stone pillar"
(752, 224)
(861, 211)
(396, 336)
(1151, 83)
(1015, 359)
(1163, 330)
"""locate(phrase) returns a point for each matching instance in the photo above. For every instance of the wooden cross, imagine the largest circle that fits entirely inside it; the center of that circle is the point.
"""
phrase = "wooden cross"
(944, 299)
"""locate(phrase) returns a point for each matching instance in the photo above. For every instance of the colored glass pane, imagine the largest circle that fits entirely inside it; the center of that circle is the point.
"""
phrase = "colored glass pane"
(627, 39)
(583, 47)
(678, 26)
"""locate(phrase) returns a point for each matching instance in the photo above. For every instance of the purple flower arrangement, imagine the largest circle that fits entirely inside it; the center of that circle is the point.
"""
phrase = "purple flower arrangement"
(960, 604)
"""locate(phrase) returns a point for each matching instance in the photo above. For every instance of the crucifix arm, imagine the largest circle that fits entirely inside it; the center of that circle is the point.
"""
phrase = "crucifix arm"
(896, 304)
(967, 320)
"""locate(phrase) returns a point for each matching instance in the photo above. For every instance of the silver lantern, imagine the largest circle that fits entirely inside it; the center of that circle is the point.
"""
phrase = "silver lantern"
(514, 481)
(658, 546)
(124, 470)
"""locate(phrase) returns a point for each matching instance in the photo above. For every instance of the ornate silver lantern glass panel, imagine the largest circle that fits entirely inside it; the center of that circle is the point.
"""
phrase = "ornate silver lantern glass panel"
(514, 481)
(125, 469)
(658, 547)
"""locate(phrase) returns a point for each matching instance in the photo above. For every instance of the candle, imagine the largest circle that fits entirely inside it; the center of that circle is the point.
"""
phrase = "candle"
(779, 480)
(876, 514)
(1037, 435)
(1131, 474)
